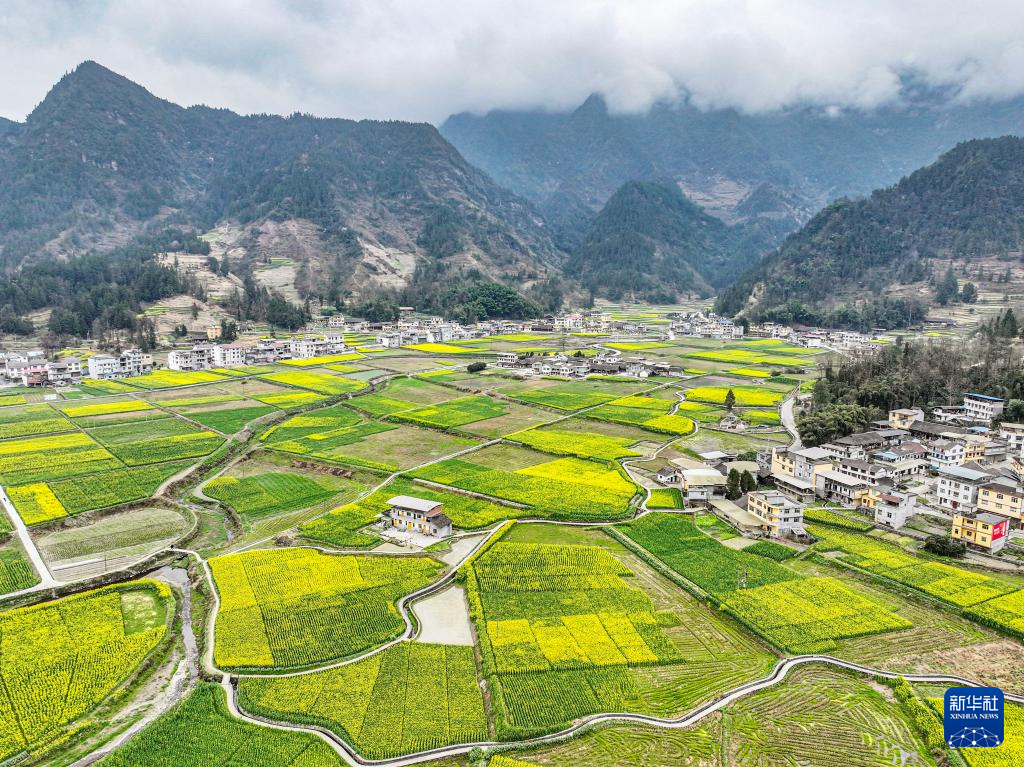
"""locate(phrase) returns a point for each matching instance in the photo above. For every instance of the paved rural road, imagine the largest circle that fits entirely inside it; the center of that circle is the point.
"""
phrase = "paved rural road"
(46, 579)
(349, 754)
(786, 414)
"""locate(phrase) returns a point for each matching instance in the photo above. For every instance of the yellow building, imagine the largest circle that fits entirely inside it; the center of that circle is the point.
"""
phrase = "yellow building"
(902, 418)
(775, 513)
(1004, 499)
(986, 531)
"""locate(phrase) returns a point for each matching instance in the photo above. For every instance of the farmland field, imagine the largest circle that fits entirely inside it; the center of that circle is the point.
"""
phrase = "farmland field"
(651, 413)
(340, 525)
(403, 394)
(818, 716)
(164, 379)
(202, 727)
(103, 635)
(165, 439)
(114, 539)
(567, 630)
(797, 614)
(579, 444)
(34, 459)
(754, 396)
(571, 395)
(298, 607)
(564, 488)
(409, 698)
(16, 572)
(259, 495)
(321, 383)
(453, 413)
(33, 419)
(44, 501)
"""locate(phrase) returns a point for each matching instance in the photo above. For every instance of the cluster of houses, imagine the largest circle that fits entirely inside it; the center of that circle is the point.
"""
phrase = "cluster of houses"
(34, 369)
(265, 350)
(704, 325)
(970, 473)
(579, 367)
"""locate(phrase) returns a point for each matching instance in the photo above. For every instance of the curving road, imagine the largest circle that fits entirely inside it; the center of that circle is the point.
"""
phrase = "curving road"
(779, 673)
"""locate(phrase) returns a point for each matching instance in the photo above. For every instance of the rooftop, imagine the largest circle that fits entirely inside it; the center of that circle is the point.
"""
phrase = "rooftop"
(985, 397)
(968, 475)
(415, 504)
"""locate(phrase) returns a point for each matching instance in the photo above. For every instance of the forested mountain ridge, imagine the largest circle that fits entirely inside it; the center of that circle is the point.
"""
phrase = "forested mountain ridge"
(969, 203)
(774, 170)
(650, 242)
(101, 161)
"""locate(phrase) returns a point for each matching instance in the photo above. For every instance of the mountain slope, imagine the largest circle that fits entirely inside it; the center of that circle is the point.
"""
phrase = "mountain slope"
(367, 204)
(650, 242)
(773, 170)
(968, 204)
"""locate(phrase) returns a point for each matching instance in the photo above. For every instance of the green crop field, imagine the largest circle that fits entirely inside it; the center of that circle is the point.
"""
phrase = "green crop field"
(409, 698)
(565, 488)
(228, 420)
(651, 413)
(165, 439)
(797, 614)
(127, 532)
(572, 395)
(102, 636)
(456, 412)
(34, 459)
(15, 571)
(403, 394)
(818, 716)
(340, 527)
(200, 732)
(298, 607)
(577, 443)
(45, 501)
(321, 383)
(270, 493)
(33, 419)
(564, 632)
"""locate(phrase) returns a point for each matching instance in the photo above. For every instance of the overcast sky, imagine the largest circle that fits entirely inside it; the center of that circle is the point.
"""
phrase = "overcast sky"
(425, 59)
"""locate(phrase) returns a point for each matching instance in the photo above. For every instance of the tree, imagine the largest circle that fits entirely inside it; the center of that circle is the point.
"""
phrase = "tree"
(945, 546)
(969, 293)
(733, 488)
(194, 310)
(475, 367)
(730, 400)
(947, 289)
(228, 331)
(747, 482)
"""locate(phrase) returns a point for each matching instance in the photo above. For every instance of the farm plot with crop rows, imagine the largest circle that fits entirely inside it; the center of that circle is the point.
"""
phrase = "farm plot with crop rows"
(564, 634)
(746, 396)
(164, 379)
(33, 419)
(411, 697)
(299, 607)
(565, 488)
(576, 443)
(817, 612)
(201, 732)
(35, 459)
(165, 439)
(76, 650)
(321, 383)
(270, 493)
(649, 413)
(456, 412)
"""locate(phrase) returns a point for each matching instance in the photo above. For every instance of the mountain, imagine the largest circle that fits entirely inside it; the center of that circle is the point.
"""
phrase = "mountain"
(649, 242)
(770, 170)
(968, 204)
(362, 207)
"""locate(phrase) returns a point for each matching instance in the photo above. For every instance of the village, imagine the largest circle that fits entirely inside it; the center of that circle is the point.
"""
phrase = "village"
(960, 470)
(200, 349)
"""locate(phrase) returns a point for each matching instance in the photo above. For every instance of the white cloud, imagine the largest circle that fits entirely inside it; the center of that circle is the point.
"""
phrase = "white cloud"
(424, 59)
